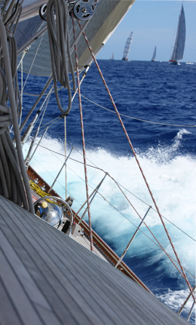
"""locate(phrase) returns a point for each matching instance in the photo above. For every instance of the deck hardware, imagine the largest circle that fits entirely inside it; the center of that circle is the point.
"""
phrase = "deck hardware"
(84, 9)
(43, 12)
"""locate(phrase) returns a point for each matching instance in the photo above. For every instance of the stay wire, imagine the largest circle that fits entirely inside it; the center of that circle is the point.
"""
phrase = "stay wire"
(83, 137)
(100, 169)
(138, 163)
(105, 199)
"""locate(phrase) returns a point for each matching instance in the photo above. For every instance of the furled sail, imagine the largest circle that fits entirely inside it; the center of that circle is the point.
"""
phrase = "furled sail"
(127, 47)
(178, 50)
(154, 54)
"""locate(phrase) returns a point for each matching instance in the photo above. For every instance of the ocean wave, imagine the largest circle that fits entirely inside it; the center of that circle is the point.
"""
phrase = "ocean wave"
(172, 182)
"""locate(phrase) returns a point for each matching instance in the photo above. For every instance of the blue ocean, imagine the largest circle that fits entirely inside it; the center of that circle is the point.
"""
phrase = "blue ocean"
(157, 103)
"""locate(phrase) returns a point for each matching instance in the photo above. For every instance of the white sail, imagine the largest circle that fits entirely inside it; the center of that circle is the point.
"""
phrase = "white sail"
(127, 47)
(105, 20)
(178, 50)
(154, 54)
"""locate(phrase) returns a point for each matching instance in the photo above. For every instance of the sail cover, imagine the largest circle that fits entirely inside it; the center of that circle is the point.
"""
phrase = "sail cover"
(127, 47)
(178, 50)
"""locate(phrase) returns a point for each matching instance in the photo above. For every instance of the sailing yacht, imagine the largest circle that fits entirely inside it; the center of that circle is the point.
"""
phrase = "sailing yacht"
(179, 44)
(154, 54)
(48, 276)
(112, 56)
(127, 47)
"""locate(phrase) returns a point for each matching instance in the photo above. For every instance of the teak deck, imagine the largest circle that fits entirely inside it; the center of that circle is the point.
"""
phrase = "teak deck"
(48, 278)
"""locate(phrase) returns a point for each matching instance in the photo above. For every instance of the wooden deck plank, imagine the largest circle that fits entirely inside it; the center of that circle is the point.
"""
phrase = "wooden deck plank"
(112, 293)
(79, 292)
(87, 281)
(8, 314)
(73, 285)
(17, 294)
(46, 279)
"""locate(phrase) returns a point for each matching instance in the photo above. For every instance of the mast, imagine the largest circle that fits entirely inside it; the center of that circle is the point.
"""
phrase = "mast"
(154, 54)
(179, 45)
(127, 47)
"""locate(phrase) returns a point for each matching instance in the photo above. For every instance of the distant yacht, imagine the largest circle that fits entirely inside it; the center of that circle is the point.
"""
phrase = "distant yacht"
(127, 47)
(112, 56)
(189, 62)
(154, 54)
(179, 45)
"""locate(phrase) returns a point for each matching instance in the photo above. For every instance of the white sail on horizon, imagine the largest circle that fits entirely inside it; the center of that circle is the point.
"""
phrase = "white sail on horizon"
(154, 54)
(127, 47)
(179, 45)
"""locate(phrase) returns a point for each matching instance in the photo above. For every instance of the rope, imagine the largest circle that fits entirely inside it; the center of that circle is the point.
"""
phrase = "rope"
(11, 161)
(134, 153)
(83, 139)
(58, 34)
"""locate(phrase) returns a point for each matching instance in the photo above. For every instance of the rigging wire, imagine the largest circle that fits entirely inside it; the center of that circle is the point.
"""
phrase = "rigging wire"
(83, 138)
(127, 116)
(57, 119)
(105, 199)
(139, 119)
(100, 169)
(22, 89)
(138, 163)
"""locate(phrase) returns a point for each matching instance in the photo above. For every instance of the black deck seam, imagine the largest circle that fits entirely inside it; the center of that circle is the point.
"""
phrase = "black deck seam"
(10, 299)
(22, 286)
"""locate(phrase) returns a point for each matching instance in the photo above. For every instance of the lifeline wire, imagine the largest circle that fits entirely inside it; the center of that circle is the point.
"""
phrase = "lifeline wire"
(55, 152)
(139, 119)
(134, 153)
(109, 204)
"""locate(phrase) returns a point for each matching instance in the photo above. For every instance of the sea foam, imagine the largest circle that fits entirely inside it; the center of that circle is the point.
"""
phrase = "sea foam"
(172, 179)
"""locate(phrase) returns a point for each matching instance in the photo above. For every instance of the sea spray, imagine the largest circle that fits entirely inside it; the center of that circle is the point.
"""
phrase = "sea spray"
(112, 216)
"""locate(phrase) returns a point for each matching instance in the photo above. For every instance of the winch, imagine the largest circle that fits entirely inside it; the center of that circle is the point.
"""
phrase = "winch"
(83, 9)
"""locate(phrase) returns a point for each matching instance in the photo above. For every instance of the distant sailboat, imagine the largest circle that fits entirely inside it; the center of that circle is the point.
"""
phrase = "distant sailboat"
(154, 54)
(127, 47)
(112, 56)
(178, 50)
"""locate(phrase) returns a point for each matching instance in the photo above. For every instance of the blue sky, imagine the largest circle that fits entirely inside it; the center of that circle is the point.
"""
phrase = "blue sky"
(153, 23)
